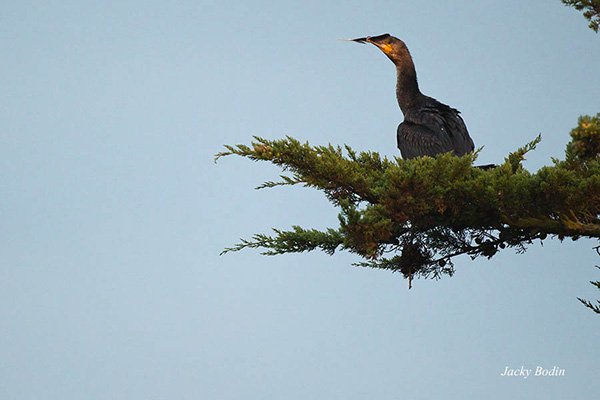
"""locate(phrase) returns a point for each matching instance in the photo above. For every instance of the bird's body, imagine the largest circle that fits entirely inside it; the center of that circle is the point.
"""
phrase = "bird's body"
(429, 127)
(432, 128)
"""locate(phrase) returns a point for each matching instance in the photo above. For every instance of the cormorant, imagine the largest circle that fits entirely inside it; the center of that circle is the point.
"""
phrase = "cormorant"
(429, 127)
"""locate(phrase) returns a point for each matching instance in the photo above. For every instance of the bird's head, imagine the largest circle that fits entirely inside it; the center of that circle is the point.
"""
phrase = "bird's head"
(393, 47)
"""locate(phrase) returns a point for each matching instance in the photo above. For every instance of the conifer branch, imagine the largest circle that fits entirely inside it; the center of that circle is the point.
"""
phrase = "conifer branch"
(591, 11)
(415, 216)
(296, 241)
(588, 304)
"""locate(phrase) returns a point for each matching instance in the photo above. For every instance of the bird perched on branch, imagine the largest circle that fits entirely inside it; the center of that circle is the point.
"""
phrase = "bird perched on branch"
(429, 127)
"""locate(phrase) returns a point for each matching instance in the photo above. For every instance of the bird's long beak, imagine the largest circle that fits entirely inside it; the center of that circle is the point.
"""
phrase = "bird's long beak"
(374, 40)
(359, 40)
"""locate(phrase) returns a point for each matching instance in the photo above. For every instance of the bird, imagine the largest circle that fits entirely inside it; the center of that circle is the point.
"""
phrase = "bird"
(429, 127)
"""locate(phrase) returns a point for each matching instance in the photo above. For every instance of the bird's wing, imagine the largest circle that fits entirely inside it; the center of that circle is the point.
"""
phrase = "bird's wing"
(457, 130)
(446, 124)
(416, 140)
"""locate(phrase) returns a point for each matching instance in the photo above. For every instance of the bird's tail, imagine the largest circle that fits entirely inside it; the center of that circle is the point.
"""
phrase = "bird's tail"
(485, 167)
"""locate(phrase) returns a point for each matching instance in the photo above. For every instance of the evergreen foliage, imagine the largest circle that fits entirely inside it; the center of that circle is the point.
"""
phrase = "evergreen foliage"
(588, 304)
(416, 215)
(591, 13)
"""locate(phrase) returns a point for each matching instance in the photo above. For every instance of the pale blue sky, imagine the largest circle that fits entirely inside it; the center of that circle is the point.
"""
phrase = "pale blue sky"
(113, 213)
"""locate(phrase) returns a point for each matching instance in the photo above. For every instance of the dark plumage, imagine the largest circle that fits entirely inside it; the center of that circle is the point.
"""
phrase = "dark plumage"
(429, 127)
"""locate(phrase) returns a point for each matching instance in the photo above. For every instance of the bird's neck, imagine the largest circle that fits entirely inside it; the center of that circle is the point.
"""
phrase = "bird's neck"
(407, 88)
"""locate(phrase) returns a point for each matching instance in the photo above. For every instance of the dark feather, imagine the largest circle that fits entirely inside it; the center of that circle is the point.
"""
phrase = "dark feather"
(433, 128)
